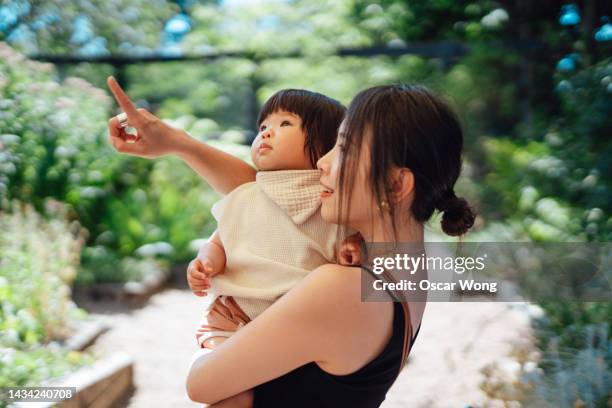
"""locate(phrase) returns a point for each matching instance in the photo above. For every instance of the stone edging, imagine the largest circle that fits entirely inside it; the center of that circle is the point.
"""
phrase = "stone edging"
(86, 334)
(101, 385)
(133, 292)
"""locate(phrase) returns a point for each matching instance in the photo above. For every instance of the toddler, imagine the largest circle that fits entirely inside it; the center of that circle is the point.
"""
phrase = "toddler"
(270, 232)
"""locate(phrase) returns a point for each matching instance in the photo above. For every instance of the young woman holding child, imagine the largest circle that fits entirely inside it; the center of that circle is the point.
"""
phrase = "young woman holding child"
(396, 160)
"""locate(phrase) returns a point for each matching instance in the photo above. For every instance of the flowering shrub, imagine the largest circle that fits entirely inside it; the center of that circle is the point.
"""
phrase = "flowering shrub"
(576, 377)
(38, 263)
(559, 187)
(555, 376)
(53, 143)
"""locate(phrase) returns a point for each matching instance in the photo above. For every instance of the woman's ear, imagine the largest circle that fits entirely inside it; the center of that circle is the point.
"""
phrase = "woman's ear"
(402, 184)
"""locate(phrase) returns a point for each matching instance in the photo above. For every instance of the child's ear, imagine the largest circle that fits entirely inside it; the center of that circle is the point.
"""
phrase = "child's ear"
(402, 184)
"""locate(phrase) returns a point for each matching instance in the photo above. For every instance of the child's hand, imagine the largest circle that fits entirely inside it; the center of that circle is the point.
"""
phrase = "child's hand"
(350, 250)
(155, 138)
(198, 276)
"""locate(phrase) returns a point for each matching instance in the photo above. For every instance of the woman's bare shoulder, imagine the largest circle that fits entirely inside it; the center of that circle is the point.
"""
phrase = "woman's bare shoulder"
(341, 285)
(345, 279)
(336, 284)
(342, 313)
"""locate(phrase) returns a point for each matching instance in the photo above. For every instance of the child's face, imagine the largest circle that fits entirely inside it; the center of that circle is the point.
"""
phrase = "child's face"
(279, 145)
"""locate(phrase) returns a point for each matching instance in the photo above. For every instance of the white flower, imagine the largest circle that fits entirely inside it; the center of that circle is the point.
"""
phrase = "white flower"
(535, 311)
(530, 366)
(373, 9)
(6, 356)
(495, 18)
(156, 248)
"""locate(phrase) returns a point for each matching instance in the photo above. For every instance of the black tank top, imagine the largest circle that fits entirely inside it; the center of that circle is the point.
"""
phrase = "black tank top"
(309, 386)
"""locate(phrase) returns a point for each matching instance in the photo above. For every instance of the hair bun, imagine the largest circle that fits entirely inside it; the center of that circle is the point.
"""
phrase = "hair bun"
(458, 216)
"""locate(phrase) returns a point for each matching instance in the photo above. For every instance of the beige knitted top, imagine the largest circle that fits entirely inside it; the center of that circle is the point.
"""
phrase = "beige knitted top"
(273, 236)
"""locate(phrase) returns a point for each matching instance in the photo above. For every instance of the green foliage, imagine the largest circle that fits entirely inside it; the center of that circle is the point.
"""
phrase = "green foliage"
(313, 27)
(538, 152)
(217, 90)
(100, 265)
(174, 207)
(567, 322)
(342, 77)
(559, 187)
(577, 375)
(556, 187)
(53, 143)
(566, 377)
(415, 20)
(88, 26)
(38, 264)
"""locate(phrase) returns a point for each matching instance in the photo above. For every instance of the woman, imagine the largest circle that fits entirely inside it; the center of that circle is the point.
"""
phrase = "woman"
(396, 160)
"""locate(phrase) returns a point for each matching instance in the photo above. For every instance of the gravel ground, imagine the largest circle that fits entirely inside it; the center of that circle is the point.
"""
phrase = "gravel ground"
(456, 340)
(160, 338)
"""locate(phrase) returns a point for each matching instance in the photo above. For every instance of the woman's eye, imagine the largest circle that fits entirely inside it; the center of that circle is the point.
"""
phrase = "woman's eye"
(262, 128)
(286, 122)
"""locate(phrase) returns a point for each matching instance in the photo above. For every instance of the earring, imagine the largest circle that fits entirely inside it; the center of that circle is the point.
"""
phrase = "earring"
(384, 206)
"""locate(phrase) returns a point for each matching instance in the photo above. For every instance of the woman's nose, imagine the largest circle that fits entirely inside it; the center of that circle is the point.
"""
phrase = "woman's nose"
(323, 163)
(266, 134)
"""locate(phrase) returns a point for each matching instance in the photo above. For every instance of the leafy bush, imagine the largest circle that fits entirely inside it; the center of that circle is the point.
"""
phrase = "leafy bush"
(100, 265)
(576, 376)
(38, 264)
(170, 210)
(53, 143)
(559, 187)
(568, 322)
(555, 376)
(53, 140)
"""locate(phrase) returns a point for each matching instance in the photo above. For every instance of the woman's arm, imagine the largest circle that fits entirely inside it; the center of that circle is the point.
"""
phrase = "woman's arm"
(221, 170)
(315, 321)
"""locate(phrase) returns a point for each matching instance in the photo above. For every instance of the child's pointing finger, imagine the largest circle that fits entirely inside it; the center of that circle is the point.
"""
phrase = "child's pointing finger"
(124, 101)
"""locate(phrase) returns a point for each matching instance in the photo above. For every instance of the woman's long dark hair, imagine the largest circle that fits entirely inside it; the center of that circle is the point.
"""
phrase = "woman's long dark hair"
(410, 127)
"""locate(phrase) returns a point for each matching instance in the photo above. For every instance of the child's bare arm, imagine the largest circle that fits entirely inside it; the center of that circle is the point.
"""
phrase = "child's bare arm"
(213, 252)
(209, 262)
(221, 170)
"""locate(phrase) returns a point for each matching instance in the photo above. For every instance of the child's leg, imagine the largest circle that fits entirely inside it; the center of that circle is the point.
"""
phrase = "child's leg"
(223, 318)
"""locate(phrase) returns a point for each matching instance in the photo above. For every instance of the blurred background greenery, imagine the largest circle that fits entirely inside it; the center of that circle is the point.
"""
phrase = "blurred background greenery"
(532, 82)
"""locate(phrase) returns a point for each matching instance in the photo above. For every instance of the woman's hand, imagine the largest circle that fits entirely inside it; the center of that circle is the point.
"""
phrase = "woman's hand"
(155, 138)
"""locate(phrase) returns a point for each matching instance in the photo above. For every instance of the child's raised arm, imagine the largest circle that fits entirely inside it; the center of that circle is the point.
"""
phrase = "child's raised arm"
(221, 170)
(156, 138)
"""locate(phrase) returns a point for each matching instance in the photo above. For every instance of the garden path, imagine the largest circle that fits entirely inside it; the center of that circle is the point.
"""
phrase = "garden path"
(456, 340)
